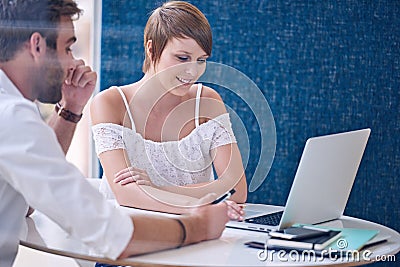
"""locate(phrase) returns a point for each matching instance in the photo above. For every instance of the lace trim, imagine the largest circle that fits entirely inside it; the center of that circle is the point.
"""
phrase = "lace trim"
(223, 133)
(107, 136)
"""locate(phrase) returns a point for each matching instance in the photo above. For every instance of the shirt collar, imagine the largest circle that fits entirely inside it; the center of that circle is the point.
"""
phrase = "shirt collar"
(7, 86)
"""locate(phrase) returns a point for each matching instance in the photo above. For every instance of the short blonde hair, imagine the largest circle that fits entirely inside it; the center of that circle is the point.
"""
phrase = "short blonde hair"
(175, 19)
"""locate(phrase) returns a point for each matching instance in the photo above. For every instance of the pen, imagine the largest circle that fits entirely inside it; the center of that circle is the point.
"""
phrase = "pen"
(224, 197)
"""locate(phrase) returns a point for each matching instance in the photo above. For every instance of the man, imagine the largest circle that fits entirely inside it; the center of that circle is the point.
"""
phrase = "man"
(36, 63)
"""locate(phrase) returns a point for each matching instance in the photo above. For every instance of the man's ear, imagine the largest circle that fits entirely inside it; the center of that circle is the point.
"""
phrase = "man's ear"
(37, 45)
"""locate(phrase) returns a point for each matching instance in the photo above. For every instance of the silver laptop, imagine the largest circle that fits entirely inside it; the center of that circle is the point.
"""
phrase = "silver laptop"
(322, 184)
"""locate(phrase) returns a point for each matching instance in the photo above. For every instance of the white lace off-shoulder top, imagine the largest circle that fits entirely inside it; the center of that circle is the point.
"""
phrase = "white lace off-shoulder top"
(182, 162)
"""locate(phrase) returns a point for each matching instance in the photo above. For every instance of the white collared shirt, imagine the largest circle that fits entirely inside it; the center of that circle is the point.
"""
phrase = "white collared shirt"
(34, 171)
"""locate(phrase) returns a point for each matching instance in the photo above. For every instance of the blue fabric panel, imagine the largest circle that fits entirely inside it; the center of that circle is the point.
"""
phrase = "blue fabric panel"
(324, 67)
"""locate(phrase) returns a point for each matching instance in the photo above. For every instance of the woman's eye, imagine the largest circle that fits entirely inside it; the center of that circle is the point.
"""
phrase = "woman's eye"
(201, 60)
(183, 58)
(68, 50)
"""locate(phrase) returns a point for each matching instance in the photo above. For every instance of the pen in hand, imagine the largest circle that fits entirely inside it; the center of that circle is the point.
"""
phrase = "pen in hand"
(235, 211)
(224, 197)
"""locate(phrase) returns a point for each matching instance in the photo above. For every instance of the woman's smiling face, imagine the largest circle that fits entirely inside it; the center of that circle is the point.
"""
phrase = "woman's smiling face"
(180, 65)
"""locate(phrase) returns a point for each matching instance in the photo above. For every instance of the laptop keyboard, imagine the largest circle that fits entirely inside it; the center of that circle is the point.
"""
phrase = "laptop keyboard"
(272, 219)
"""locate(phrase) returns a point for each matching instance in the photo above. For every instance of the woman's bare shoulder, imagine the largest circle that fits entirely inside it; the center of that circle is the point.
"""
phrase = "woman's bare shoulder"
(108, 98)
(211, 103)
(106, 106)
(209, 92)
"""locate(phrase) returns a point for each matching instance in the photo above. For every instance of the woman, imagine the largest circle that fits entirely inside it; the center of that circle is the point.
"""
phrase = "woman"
(164, 131)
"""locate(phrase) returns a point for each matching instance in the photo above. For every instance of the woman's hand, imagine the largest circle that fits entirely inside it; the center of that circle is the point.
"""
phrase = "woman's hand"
(235, 211)
(140, 177)
(132, 175)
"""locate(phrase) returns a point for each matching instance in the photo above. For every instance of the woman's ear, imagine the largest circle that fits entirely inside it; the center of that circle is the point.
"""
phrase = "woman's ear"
(149, 49)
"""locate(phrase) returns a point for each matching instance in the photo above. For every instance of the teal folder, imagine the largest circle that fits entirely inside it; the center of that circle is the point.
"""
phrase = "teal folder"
(353, 239)
(350, 239)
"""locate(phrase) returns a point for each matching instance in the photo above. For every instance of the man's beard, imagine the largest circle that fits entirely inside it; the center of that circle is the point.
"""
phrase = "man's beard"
(50, 80)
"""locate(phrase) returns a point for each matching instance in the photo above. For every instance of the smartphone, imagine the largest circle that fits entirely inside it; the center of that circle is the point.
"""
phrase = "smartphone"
(297, 233)
(255, 244)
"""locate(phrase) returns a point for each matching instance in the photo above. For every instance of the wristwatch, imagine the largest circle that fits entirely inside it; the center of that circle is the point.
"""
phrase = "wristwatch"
(66, 114)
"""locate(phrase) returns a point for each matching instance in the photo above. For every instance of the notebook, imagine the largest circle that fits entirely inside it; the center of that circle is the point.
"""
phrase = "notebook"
(322, 184)
(314, 243)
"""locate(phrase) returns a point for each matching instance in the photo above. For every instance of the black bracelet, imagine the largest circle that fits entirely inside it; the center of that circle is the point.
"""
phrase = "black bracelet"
(66, 114)
(183, 233)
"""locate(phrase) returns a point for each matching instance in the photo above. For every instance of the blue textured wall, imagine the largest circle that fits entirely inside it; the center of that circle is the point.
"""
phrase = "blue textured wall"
(323, 66)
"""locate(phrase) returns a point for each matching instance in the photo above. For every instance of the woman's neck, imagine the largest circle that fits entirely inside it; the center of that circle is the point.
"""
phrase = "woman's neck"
(156, 97)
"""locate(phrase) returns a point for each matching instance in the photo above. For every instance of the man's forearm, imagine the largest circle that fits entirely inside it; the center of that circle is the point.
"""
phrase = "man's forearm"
(64, 120)
(206, 223)
(162, 233)
(64, 130)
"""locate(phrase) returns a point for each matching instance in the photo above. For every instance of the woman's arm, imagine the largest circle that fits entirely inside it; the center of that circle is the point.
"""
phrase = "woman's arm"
(134, 195)
(227, 160)
(107, 107)
(229, 167)
(150, 198)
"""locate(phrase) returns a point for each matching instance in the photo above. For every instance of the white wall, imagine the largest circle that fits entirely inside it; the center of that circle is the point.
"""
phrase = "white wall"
(87, 30)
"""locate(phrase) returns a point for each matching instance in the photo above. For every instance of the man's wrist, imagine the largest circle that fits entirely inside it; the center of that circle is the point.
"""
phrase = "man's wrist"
(67, 114)
(183, 235)
(190, 222)
(74, 108)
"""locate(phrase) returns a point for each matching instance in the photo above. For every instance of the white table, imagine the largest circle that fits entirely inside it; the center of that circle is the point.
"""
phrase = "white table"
(43, 234)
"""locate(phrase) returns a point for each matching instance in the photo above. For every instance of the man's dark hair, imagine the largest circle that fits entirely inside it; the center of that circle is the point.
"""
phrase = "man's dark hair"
(19, 19)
